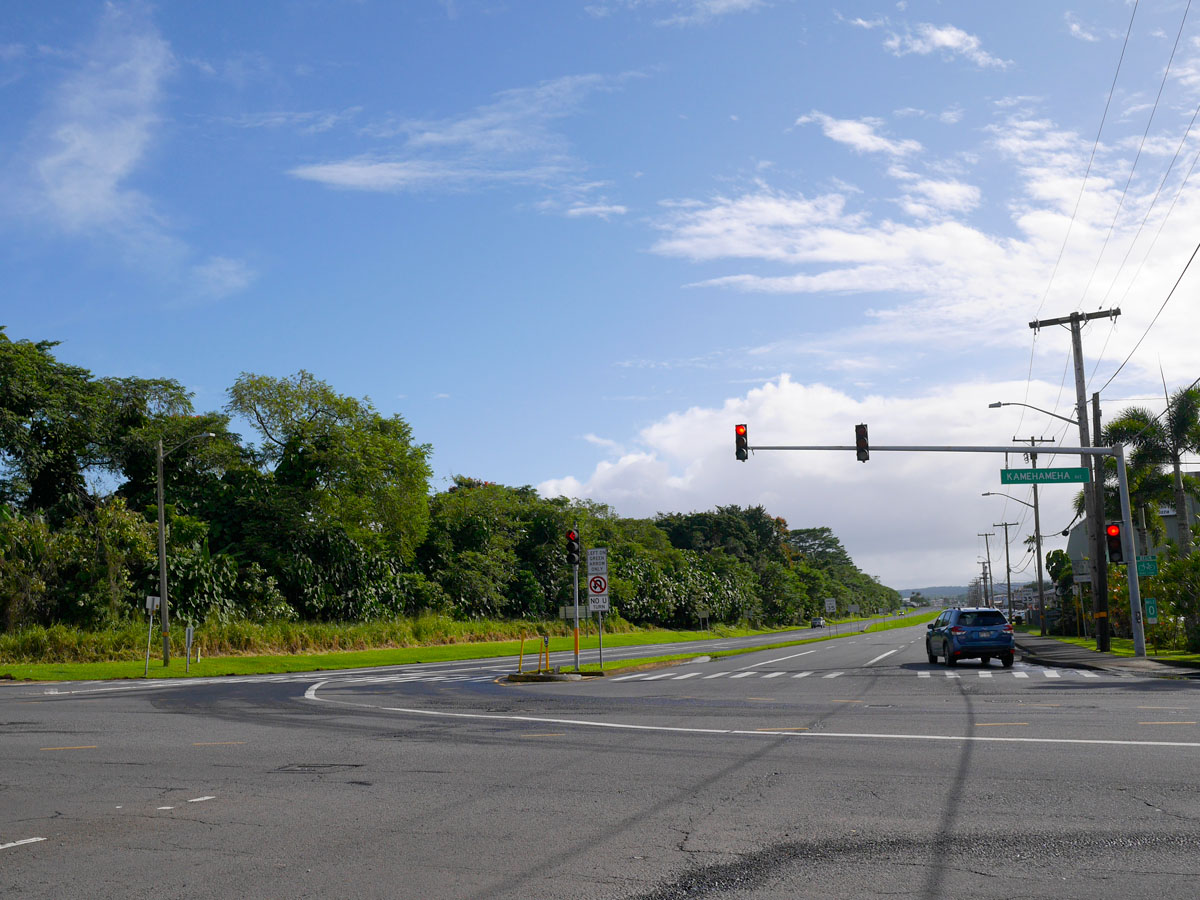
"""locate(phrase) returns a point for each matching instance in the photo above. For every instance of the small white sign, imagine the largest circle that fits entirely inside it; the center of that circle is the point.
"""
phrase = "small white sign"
(598, 603)
(597, 586)
(151, 604)
(830, 604)
(597, 559)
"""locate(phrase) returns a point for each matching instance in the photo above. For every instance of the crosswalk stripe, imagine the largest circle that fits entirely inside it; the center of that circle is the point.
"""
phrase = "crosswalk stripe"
(688, 675)
(1050, 673)
(742, 675)
(802, 674)
(715, 675)
(773, 674)
(630, 677)
(922, 674)
(985, 674)
(953, 675)
(1020, 674)
(656, 677)
(1089, 674)
(832, 675)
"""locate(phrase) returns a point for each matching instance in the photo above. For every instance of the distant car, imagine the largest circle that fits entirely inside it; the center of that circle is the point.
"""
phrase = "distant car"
(970, 633)
(818, 622)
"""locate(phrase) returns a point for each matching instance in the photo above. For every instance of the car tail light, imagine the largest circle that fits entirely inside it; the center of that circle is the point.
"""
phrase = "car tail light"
(1007, 629)
(958, 629)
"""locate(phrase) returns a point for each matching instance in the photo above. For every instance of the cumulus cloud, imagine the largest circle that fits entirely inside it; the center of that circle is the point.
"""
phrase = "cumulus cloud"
(924, 39)
(684, 12)
(860, 134)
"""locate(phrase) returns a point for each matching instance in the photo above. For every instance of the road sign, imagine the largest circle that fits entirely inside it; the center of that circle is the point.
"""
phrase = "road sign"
(598, 561)
(597, 593)
(151, 604)
(1151, 611)
(1065, 475)
(854, 609)
(1147, 565)
(830, 604)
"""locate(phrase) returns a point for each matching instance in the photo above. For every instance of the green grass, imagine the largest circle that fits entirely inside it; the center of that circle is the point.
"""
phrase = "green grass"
(454, 646)
(1119, 646)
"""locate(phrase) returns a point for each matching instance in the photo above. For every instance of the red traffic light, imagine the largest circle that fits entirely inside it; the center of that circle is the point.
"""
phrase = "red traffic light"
(572, 535)
(739, 429)
(1114, 530)
(741, 442)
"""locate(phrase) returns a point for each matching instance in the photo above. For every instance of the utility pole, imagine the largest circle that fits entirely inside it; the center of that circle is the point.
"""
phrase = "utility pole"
(1007, 564)
(1094, 514)
(1099, 552)
(987, 548)
(1037, 530)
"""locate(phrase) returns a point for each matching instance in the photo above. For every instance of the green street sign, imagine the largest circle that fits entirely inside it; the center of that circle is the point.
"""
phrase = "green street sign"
(1070, 475)
(1151, 611)
(1147, 565)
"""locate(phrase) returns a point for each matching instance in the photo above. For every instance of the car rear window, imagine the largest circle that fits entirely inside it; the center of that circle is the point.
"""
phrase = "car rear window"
(977, 619)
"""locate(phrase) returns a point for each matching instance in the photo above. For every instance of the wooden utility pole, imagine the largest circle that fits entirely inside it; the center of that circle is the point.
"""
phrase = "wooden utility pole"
(1094, 513)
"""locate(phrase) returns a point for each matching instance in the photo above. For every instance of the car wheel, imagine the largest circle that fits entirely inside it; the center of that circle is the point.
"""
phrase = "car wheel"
(932, 656)
(984, 660)
(950, 660)
(1007, 660)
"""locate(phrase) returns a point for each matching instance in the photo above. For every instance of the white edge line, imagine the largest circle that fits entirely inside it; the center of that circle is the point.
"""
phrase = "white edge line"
(202, 799)
(19, 843)
(543, 720)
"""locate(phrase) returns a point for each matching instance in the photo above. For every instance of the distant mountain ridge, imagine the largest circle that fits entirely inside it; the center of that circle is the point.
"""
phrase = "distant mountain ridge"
(934, 592)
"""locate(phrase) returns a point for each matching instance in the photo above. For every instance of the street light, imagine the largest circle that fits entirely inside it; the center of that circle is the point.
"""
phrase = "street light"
(998, 404)
(1037, 541)
(162, 543)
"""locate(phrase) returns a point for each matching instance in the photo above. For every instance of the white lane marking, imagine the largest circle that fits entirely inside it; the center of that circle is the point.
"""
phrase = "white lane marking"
(778, 659)
(656, 677)
(1089, 674)
(882, 655)
(19, 843)
(985, 674)
(1020, 674)
(202, 799)
(922, 674)
(742, 675)
(311, 694)
(953, 675)
(832, 675)
(1050, 673)
(624, 677)
(166, 807)
(802, 674)
(773, 674)
(715, 675)
(688, 675)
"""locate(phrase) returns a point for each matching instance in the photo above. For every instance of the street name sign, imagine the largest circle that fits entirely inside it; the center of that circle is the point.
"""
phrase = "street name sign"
(1065, 475)
(1147, 565)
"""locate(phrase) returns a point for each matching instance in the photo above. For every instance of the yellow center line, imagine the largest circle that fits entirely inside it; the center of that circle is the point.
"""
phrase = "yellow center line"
(789, 728)
(990, 724)
(215, 743)
(1166, 723)
(85, 747)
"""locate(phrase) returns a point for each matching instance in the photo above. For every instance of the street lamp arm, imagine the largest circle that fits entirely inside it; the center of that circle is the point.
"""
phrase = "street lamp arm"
(194, 437)
(1009, 496)
(998, 404)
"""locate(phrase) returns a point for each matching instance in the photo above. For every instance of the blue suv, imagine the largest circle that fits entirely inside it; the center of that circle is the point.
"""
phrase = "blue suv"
(970, 633)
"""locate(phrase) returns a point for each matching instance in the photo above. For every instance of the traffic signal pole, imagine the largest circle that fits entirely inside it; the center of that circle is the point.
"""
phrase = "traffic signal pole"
(1116, 451)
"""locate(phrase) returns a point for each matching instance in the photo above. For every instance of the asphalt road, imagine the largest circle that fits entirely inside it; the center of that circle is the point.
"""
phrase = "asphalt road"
(844, 769)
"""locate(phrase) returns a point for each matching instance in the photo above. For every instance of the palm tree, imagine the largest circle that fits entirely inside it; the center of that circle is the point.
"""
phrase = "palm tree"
(1157, 444)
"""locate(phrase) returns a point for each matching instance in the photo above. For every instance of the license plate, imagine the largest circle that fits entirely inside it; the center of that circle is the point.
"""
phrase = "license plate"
(985, 634)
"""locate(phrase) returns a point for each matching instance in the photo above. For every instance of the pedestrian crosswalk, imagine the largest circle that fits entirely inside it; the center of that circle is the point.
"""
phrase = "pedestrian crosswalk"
(959, 674)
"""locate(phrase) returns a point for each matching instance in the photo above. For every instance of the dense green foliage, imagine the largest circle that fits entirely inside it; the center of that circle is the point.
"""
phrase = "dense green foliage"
(329, 518)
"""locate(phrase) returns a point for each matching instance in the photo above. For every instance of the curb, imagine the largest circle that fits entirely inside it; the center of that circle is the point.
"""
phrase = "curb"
(523, 677)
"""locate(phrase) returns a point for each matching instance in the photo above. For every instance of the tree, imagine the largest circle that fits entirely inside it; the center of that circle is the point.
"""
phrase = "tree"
(1160, 444)
(348, 463)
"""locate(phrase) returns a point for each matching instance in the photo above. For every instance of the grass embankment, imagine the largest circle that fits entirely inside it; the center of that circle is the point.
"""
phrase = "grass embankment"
(313, 647)
(1119, 646)
(252, 649)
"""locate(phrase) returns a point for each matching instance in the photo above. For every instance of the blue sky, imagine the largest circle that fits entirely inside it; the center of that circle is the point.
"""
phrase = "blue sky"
(573, 243)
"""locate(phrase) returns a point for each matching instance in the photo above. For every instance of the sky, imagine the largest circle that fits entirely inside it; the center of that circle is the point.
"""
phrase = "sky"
(574, 243)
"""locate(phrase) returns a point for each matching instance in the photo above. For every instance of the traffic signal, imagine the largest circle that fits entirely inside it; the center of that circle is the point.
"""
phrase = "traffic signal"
(572, 547)
(861, 446)
(1116, 547)
(741, 442)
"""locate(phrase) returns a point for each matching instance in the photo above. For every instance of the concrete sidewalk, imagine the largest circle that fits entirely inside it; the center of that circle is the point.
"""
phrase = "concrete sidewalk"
(1047, 651)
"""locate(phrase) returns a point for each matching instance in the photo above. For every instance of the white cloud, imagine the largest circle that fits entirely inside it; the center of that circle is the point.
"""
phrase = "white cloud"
(948, 40)
(602, 211)
(1077, 30)
(305, 122)
(510, 141)
(221, 276)
(909, 517)
(860, 134)
(689, 12)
